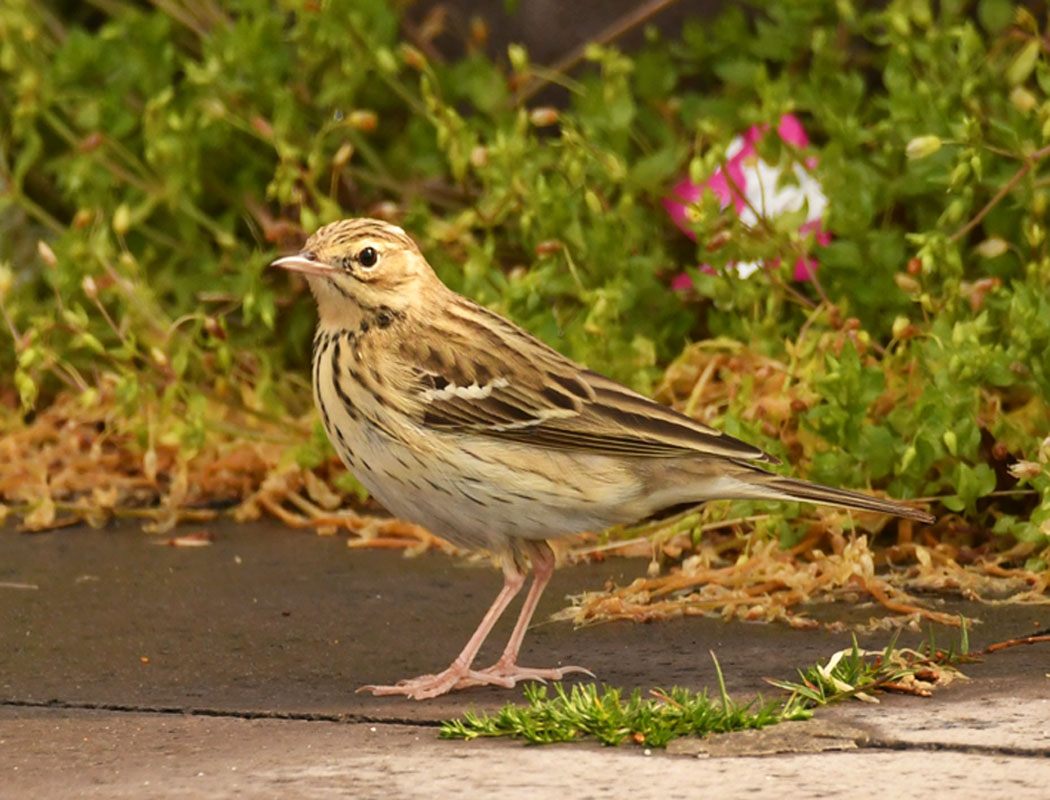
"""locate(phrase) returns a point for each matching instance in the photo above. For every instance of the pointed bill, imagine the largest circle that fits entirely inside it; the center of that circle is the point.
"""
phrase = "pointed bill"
(301, 263)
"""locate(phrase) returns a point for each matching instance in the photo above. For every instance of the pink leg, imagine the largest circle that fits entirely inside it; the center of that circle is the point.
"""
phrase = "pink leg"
(507, 666)
(427, 686)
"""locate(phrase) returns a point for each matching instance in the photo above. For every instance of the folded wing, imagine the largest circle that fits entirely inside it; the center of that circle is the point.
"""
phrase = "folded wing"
(514, 387)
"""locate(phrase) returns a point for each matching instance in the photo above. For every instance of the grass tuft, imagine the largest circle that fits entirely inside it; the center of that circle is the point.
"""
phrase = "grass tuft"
(559, 714)
(584, 711)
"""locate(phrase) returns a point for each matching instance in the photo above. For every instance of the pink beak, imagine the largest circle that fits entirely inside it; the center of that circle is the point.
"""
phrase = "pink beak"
(300, 263)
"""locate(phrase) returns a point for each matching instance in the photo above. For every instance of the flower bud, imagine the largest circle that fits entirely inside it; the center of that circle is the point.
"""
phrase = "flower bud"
(1022, 99)
(413, 57)
(1039, 203)
(1024, 62)
(1025, 470)
(342, 155)
(7, 280)
(121, 219)
(385, 60)
(992, 248)
(543, 117)
(214, 328)
(1034, 233)
(906, 283)
(951, 441)
(518, 57)
(363, 120)
(89, 397)
(593, 202)
(906, 460)
(959, 174)
(923, 146)
(47, 255)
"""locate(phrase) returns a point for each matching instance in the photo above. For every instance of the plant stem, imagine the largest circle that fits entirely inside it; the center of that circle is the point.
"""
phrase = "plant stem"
(611, 33)
(1030, 161)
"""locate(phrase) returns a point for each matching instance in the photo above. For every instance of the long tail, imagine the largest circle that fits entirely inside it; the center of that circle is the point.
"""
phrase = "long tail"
(765, 485)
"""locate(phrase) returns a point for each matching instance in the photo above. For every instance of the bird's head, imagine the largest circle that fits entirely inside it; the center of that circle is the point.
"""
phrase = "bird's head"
(357, 265)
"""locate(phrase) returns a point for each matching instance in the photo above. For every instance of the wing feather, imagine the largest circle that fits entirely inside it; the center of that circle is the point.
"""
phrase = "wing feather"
(510, 386)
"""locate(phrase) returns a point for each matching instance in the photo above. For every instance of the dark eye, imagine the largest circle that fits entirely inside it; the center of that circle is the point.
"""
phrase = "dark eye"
(368, 257)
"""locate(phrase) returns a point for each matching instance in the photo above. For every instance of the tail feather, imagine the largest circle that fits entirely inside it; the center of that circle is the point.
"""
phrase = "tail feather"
(777, 487)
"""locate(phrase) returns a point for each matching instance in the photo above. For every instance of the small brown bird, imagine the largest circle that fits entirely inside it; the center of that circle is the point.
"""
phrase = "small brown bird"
(457, 419)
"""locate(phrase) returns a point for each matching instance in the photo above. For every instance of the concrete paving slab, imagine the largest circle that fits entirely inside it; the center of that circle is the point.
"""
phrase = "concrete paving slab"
(1006, 713)
(91, 754)
(128, 669)
(269, 621)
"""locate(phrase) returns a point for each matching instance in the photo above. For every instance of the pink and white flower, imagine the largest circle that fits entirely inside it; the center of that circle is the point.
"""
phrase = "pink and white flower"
(749, 185)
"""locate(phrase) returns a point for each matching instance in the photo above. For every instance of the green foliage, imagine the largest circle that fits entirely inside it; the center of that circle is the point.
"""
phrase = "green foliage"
(858, 673)
(153, 158)
(584, 711)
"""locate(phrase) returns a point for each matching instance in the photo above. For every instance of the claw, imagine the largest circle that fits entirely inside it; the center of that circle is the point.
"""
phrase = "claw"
(427, 686)
(455, 677)
(514, 674)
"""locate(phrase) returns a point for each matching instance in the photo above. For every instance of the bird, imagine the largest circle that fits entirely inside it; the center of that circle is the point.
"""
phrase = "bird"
(457, 419)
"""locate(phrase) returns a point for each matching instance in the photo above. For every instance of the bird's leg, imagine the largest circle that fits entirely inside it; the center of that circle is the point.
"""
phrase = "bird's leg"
(459, 671)
(507, 666)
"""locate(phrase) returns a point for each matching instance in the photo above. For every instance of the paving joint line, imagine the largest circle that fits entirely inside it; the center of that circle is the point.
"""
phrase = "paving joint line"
(950, 747)
(190, 711)
(862, 743)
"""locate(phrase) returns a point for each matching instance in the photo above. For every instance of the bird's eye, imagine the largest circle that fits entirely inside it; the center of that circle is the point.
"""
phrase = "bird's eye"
(368, 257)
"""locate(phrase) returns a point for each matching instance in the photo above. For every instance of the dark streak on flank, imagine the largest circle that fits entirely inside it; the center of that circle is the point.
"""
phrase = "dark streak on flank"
(348, 404)
(320, 345)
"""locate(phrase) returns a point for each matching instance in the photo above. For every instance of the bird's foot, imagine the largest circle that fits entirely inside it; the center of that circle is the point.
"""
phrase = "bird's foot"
(505, 674)
(427, 686)
(508, 670)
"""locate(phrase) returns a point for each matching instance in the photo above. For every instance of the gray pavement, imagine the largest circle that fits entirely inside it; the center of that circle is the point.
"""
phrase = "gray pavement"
(138, 670)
